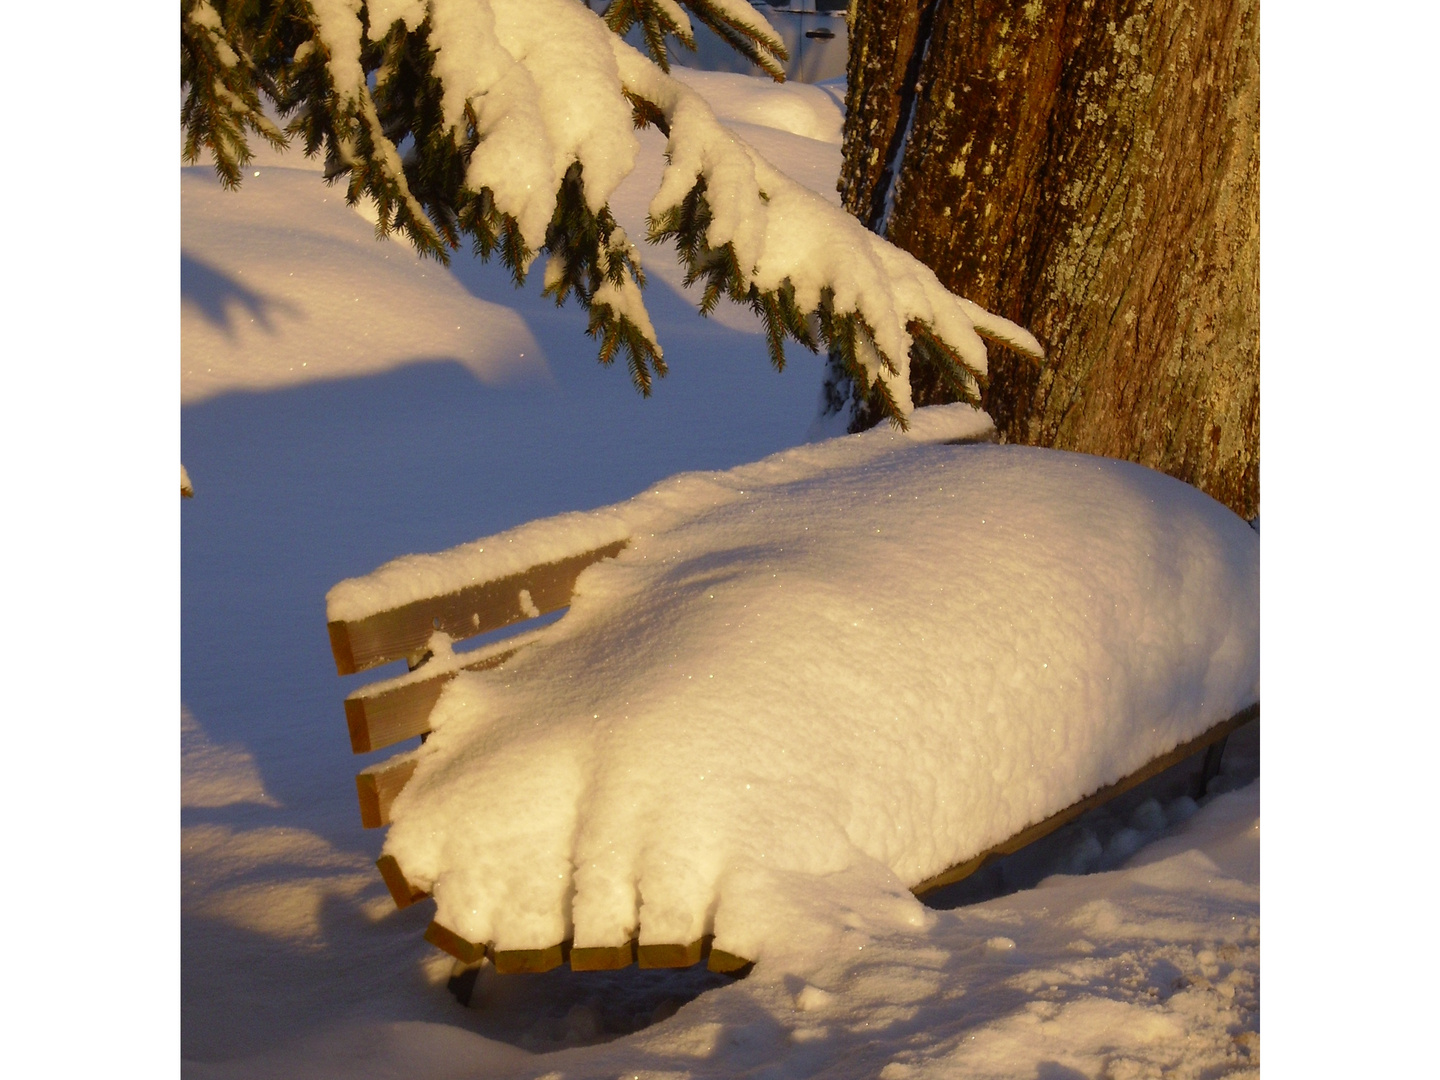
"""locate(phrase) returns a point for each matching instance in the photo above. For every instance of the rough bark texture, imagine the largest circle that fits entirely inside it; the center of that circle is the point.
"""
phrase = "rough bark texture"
(1089, 169)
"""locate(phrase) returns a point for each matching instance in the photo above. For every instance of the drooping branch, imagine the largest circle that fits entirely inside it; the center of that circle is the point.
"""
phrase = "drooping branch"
(516, 119)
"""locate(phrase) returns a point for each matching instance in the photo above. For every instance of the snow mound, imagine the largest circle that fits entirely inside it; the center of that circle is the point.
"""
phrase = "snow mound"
(796, 108)
(283, 284)
(814, 681)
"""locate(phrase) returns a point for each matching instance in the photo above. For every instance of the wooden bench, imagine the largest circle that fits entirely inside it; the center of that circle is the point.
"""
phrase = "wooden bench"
(388, 712)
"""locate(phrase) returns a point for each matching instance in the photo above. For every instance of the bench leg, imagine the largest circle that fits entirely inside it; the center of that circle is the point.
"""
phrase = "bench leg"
(1211, 768)
(463, 978)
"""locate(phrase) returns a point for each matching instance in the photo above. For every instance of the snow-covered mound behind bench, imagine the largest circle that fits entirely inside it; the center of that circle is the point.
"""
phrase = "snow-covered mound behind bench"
(812, 682)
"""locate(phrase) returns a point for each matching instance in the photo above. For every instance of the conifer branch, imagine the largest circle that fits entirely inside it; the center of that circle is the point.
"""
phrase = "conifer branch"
(745, 30)
(736, 22)
(222, 94)
(480, 161)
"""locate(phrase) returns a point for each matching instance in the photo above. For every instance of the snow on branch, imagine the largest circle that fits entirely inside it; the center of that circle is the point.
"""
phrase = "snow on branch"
(511, 123)
(762, 238)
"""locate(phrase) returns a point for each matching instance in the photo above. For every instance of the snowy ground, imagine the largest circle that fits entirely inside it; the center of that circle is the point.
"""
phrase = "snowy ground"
(321, 443)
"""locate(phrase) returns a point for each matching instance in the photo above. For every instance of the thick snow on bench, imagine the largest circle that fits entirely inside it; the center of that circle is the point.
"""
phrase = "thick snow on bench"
(811, 682)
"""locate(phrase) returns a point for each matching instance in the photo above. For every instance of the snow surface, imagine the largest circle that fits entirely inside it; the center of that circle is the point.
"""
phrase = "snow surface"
(282, 282)
(847, 667)
(295, 963)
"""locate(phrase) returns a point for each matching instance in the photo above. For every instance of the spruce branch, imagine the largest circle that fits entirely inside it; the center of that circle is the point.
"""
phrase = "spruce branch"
(745, 30)
(736, 22)
(656, 19)
(222, 93)
(448, 135)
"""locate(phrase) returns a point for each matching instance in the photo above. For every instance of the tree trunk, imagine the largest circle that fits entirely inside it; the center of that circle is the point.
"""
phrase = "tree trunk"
(1089, 169)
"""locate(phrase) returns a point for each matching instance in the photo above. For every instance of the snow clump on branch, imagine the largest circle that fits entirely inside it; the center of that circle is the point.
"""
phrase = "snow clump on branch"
(518, 121)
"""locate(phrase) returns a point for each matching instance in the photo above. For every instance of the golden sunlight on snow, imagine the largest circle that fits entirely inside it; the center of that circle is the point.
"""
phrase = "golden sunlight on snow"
(282, 283)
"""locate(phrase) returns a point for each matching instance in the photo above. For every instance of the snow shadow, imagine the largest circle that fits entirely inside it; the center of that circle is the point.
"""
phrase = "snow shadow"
(243, 991)
(563, 1008)
(215, 294)
(1104, 838)
(300, 488)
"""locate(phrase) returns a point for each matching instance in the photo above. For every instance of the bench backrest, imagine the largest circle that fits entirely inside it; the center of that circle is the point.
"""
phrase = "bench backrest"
(389, 711)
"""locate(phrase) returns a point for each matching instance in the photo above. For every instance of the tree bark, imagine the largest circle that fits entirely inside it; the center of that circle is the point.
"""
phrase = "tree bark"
(1089, 169)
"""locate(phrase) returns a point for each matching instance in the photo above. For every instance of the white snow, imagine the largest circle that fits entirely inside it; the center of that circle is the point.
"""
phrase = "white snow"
(295, 962)
(413, 577)
(1148, 970)
(282, 283)
(796, 108)
(214, 775)
(866, 656)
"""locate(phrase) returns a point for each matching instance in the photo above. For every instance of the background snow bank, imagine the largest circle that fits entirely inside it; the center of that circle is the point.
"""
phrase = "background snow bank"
(281, 277)
(840, 670)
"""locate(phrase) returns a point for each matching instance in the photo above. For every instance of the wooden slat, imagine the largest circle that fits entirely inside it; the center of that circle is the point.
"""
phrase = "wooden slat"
(529, 961)
(404, 631)
(1043, 828)
(602, 957)
(448, 941)
(401, 891)
(377, 787)
(380, 719)
(727, 963)
(674, 956)
(340, 648)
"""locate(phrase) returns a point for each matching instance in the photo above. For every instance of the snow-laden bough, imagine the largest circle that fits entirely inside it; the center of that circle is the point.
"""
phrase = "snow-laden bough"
(808, 684)
(517, 118)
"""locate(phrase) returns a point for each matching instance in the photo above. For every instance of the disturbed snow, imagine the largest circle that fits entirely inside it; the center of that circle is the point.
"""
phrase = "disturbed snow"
(832, 673)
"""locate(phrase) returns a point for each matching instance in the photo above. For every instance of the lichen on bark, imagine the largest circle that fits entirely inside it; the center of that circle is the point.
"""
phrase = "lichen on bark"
(1090, 170)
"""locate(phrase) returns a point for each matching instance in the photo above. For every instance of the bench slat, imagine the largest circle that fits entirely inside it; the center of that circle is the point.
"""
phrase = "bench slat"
(401, 891)
(377, 787)
(602, 957)
(378, 720)
(529, 961)
(608, 958)
(727, 963)
(446, 940)
(674, 956)
(1044, 828)
(403, 632)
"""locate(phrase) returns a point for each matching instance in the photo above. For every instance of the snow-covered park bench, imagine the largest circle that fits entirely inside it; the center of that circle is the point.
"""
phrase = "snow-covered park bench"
(886, 651)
